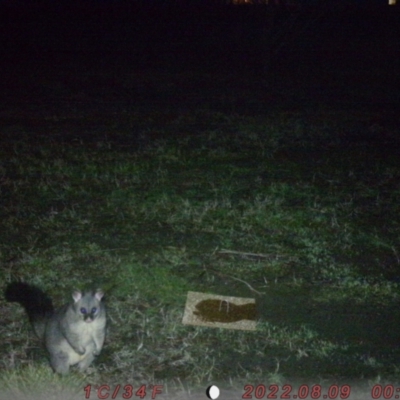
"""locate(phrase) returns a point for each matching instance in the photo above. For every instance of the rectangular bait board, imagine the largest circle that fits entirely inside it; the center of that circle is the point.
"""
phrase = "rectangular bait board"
(215, 311)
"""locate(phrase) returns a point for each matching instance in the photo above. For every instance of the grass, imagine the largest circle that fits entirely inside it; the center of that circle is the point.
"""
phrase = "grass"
(295, 208)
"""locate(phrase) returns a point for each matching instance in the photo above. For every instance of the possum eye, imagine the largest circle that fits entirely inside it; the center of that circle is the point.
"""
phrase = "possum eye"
(83, 310)
(94, 310)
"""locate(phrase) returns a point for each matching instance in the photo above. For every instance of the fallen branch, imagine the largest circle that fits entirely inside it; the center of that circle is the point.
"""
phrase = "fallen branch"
(236, 279)
(247, 254)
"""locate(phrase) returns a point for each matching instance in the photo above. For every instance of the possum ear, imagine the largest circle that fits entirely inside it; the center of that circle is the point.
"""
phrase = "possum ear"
(99, 294)
(76, 295)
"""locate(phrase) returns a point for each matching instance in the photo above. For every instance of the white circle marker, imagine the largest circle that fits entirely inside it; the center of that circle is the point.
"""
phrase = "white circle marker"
(212, 392)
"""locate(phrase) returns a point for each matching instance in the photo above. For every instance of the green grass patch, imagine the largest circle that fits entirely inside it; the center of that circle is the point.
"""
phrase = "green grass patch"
(280, 208)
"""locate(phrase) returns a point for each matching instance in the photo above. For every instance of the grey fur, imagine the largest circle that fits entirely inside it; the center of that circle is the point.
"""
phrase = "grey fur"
(74, 334)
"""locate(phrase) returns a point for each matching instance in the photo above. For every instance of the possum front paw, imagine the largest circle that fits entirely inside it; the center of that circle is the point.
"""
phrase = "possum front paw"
(80, 350)
(96, 350)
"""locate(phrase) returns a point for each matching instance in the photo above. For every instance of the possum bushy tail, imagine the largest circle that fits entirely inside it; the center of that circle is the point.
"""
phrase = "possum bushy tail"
(37, 304)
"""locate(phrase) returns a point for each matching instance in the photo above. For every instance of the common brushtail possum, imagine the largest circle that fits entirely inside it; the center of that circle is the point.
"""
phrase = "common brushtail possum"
(73, 334)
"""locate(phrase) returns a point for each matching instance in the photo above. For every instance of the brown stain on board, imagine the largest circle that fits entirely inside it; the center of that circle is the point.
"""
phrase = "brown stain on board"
(213, 310)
